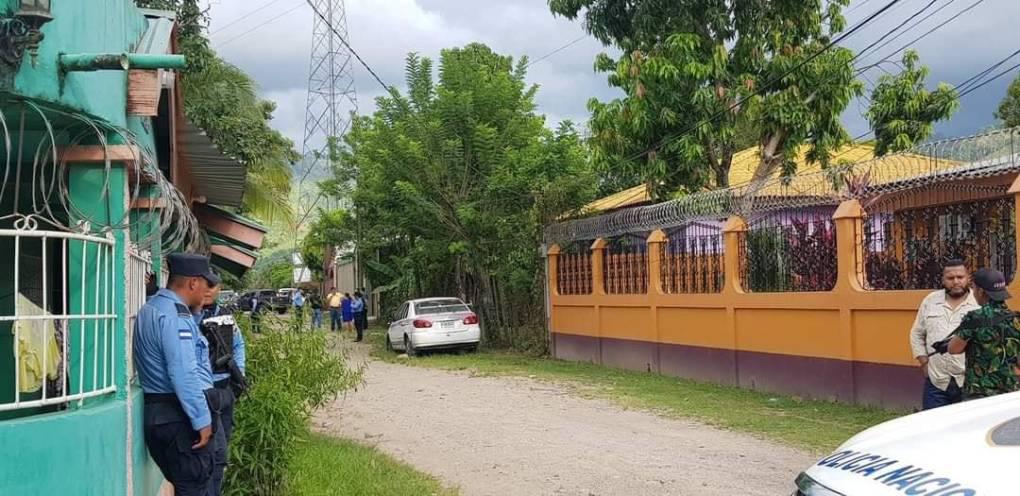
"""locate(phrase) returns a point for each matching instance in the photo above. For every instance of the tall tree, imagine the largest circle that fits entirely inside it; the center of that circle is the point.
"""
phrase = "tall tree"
(223, 100)
(1009, 109)
(455, 181)
(903, 111)
(700, 75)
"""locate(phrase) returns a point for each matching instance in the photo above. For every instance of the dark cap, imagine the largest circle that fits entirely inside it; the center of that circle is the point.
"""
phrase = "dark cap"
(191, 265)
(993, 283)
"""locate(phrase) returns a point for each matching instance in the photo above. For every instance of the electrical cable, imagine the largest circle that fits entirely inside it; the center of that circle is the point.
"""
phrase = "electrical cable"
(249, 14)
(259, 26)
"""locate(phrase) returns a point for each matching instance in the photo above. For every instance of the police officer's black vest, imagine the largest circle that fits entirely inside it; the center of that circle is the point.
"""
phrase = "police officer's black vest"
(219, 331)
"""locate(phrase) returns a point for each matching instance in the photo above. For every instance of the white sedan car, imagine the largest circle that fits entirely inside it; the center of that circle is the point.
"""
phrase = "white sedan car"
(432, 324)
(967, 449)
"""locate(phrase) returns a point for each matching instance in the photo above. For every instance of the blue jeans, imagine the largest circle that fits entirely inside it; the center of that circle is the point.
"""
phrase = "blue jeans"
(335, 324)
(316, 318)
(935, 397)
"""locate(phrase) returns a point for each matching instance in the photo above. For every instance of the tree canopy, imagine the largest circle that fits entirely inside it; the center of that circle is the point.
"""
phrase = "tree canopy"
(1009, 109)
(223, 101)
(454, 182)
(903, 112)
(704, 78)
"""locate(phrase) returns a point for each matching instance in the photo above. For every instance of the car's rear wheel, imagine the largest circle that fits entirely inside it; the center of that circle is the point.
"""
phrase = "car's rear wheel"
(471, 349)
(409, 347)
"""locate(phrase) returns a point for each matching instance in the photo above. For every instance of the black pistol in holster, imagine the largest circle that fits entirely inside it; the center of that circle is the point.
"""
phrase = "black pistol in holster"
(220, 333)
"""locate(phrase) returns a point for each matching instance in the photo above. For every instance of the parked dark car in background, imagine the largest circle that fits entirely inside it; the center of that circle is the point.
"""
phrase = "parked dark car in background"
(268, 298)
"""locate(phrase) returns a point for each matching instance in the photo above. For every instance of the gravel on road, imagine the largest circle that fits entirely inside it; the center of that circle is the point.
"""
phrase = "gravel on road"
(518, 436)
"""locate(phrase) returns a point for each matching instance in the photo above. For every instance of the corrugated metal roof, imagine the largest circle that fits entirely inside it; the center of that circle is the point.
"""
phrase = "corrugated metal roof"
(219, 178)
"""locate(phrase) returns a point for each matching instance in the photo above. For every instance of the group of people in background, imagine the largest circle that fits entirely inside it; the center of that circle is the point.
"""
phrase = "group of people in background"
(347, 312)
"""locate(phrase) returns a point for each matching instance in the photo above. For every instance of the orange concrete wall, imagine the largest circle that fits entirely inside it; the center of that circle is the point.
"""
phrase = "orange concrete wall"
(847, 325)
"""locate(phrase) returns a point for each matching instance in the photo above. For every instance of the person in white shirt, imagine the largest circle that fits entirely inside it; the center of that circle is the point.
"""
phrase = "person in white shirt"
(941, 313)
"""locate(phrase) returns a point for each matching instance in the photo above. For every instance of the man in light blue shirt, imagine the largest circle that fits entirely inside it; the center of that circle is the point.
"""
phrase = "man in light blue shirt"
(174, 371)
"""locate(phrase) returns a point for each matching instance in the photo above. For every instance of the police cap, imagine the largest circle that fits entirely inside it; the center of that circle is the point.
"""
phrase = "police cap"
(192, 265)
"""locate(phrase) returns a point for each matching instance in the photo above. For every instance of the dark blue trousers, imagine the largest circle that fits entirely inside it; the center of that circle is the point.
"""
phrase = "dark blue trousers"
(935, 397)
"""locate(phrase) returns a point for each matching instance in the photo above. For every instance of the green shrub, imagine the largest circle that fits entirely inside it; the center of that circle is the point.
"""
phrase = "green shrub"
(291, 374)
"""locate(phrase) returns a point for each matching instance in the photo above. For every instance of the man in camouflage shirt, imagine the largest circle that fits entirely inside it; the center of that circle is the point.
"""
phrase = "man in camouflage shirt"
(990, 337)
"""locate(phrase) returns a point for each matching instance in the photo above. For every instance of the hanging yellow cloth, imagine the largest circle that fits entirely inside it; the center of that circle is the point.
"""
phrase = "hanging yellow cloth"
(34, 336)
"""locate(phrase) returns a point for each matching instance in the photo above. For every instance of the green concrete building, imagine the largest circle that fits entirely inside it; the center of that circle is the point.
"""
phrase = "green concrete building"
(102, 176)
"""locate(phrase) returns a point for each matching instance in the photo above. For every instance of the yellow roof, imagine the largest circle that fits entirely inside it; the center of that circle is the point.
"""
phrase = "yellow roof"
(808, 179)
(626, 198)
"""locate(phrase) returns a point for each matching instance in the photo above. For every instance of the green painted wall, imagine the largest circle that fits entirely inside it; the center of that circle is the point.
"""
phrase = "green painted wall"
(81, 455)
(80, 26)
(83, 450)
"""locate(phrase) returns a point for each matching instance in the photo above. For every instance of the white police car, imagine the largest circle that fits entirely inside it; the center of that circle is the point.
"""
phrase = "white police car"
(968, 449)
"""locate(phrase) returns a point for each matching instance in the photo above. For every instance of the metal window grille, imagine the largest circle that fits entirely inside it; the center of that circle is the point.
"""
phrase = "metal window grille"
(790, 251)
(61, 314)
(692, 259)
(905, 247)
(626, 265)
(573, 272)
(139, 265)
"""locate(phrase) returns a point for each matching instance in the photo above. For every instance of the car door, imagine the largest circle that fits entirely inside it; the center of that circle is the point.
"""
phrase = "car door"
(398, 327)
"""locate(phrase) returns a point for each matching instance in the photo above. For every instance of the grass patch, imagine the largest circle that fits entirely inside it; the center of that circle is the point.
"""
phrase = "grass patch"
(818, 426)
(327, 466)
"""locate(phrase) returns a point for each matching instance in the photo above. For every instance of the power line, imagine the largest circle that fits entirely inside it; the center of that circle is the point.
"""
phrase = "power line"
(558, 50)
(249, 14)
(971, 84)
(930, 31)
(912, 26)
(258, 26)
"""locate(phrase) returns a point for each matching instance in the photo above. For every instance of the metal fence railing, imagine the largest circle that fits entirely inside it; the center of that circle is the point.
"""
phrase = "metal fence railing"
(626, 265)
(61, 314)
(790, 251)
(692, 259)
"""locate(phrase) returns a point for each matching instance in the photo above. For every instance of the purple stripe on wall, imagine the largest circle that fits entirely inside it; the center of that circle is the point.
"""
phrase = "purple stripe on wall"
(891, 386)
(699, 363)
(642, 356)
(577, 348)
(820, 378)
(881, 384)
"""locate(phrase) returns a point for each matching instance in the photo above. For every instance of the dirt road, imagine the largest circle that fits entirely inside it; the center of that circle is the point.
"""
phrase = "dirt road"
(509, 436)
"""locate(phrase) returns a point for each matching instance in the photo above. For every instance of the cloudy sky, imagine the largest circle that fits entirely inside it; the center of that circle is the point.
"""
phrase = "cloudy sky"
(272, 41)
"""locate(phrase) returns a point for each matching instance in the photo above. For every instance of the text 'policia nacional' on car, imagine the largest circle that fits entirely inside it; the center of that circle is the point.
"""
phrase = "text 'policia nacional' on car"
(967, 449)
(433, 324)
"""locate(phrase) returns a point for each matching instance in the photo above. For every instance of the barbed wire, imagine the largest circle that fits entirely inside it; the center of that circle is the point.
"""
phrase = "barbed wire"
(41, 191)
(989, 154)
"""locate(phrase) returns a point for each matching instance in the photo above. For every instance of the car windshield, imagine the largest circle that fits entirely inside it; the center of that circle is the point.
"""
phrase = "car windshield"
(439, 306)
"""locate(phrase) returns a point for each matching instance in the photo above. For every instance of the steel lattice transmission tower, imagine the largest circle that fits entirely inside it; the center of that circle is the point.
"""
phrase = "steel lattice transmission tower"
(331, 94)
(331, 100)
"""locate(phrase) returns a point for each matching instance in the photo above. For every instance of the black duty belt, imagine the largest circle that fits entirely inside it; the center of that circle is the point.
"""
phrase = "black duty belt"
(222, 384)
(157, 398)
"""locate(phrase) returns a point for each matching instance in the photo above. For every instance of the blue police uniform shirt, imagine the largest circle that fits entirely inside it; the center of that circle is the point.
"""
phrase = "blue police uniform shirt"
(166, 358)
(238, 344)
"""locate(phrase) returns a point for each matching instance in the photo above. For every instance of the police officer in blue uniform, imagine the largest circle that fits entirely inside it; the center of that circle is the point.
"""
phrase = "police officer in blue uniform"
(227, 355)
(172, 360)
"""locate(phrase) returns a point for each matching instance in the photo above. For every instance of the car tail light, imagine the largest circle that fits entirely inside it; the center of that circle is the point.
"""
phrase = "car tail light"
(471, 319)
(422, 324)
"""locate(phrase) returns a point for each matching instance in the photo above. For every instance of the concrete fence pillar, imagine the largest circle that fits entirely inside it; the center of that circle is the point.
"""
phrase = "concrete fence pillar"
(598, 264)
(732, 233)
(849, 221)
(656, 240)
(553, 258)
